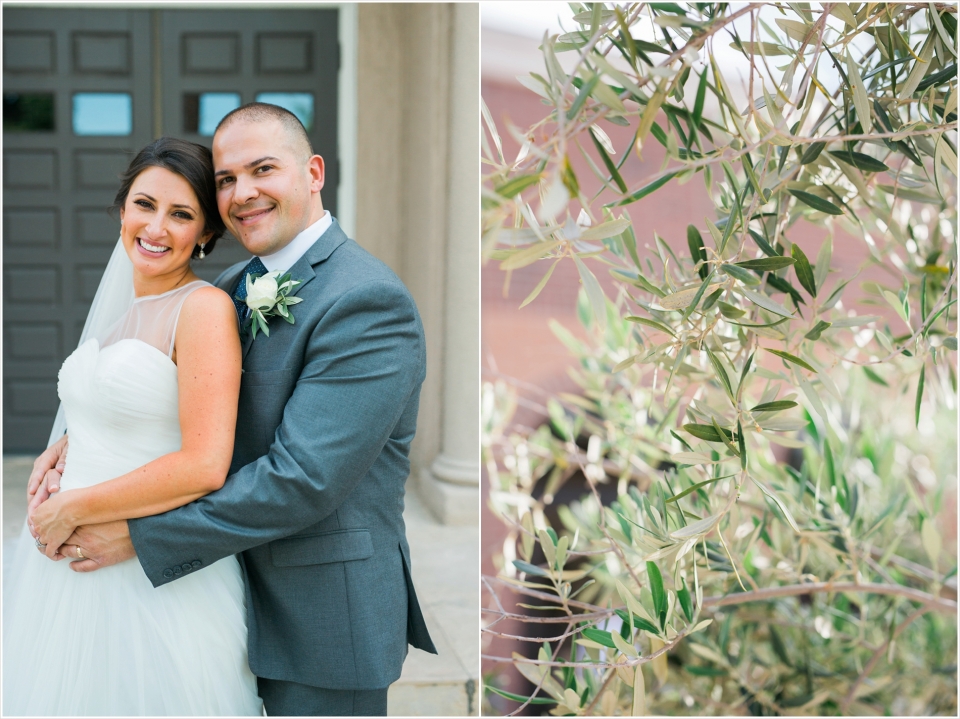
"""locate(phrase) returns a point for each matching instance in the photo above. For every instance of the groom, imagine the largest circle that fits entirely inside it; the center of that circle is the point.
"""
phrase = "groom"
(328, 407)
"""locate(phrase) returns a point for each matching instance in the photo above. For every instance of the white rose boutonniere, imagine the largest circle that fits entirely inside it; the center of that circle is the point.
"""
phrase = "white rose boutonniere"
(269, 296)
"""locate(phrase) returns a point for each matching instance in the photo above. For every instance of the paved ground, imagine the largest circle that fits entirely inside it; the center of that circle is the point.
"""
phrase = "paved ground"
(446, 570)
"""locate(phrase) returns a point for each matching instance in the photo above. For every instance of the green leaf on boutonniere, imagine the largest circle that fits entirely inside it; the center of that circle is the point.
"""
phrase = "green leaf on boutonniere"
(269, 302)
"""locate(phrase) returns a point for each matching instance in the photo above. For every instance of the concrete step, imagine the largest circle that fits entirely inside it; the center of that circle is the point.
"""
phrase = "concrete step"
(446, 573)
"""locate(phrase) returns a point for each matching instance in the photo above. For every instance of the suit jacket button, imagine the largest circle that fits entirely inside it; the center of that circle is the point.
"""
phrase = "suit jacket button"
(196, 563)
(167, 573)
(177, 571)
(186, 568)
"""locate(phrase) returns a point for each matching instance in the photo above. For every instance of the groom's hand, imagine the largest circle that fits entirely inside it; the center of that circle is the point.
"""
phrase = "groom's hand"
(100, 545)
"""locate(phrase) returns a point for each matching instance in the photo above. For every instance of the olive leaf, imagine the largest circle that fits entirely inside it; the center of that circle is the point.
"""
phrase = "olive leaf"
(789, 358)
(817, 203)
(777, 406)
(766, 264)
(803, 270)
(697, 251)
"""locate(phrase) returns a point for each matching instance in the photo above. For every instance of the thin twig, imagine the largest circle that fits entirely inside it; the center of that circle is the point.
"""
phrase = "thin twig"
(877, 655)
(611, 673)
(529, 619)
(594, 665)
(614, 545)
(544, 595)
(923, 325)
(539, 640)
(939, 604)
(912, 567)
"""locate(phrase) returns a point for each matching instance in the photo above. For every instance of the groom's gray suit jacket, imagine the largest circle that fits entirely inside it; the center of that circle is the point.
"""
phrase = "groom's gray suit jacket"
(313, 505)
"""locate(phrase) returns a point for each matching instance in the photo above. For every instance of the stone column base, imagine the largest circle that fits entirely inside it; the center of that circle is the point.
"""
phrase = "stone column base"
(452, 504)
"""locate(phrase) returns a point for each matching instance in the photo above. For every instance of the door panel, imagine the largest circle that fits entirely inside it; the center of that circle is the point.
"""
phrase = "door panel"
(49, 177)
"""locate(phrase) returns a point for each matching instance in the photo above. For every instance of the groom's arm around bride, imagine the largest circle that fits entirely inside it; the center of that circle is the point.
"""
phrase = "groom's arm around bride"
(315, 495)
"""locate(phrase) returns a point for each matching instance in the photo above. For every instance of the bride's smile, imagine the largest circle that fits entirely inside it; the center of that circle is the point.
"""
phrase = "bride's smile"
(151, 248)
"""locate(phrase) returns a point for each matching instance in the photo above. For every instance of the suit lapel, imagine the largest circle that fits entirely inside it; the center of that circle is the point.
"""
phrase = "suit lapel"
(319, 251)
(302, 270)
(228, 281)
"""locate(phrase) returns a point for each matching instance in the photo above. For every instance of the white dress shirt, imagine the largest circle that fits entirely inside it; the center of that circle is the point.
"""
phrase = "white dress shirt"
(285, 258)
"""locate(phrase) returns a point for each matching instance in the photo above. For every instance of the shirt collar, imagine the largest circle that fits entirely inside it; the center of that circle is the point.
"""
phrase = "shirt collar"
(285, 258)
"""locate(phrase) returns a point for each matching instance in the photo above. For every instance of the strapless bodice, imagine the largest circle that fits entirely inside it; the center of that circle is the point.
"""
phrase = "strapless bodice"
(121, 407)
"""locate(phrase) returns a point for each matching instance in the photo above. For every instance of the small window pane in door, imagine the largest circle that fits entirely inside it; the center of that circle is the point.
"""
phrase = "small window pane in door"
(27, 111)
(202, 112)
(102, 113)
(299, 103)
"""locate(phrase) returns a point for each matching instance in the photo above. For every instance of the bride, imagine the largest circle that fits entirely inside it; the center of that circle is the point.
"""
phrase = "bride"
(150, 399)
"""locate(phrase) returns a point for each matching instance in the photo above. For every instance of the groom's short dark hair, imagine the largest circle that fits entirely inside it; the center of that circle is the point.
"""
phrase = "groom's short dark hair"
(259, 111)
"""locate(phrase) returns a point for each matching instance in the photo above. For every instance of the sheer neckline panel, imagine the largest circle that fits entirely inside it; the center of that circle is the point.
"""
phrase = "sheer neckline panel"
(169, 292)
(152, 319)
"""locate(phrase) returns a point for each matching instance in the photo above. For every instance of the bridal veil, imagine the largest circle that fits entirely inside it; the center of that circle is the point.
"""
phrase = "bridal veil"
(113, 298)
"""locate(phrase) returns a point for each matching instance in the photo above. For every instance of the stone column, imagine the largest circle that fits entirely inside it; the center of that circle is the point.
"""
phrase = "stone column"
(403, 77)
(451, 485)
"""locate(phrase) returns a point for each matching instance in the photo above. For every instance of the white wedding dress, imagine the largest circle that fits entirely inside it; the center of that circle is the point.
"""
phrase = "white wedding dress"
(108, 642)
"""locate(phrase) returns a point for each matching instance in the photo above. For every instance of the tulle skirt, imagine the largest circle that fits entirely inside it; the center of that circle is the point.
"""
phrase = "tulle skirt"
(109, 643)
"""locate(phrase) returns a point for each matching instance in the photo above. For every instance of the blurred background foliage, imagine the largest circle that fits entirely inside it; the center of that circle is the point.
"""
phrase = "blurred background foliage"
(750, 506)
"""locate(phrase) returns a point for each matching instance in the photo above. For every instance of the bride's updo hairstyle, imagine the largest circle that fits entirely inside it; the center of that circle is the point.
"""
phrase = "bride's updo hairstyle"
(194, 163)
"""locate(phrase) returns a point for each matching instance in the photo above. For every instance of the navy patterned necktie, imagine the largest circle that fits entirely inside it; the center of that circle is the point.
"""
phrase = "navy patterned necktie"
(254, 267)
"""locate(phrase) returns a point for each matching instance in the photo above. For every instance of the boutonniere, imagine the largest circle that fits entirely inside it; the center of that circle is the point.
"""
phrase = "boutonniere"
(269, 296)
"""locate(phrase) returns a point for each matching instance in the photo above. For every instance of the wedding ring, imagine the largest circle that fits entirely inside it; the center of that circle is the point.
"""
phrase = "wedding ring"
(40, 545)
(80, 553)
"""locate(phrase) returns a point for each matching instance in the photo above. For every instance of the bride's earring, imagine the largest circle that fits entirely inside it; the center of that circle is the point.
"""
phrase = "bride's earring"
(201, 255)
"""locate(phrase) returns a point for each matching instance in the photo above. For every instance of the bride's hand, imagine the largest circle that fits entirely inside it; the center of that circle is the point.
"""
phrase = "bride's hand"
(47, 468)
(48, 485)
(53, 523)
(53, 457)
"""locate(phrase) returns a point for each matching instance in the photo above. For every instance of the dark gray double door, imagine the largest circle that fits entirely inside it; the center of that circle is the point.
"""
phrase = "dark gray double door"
(84, 89)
